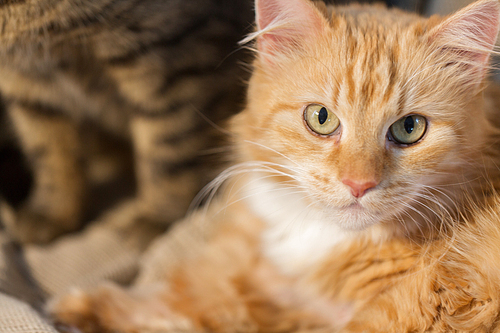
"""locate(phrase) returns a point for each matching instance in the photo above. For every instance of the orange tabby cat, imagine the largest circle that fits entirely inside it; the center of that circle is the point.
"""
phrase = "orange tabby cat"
(364, 199)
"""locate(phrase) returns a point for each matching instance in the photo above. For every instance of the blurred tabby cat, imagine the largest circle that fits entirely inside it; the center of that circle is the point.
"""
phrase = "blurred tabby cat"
(364, 198)
(147, 70)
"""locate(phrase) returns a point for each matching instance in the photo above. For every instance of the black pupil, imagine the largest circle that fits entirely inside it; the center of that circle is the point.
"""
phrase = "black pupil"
(323, 116)
(409, 125)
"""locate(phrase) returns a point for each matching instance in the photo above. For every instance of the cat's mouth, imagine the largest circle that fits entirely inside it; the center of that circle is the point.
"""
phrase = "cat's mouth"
(357, 210)
(357, 216)
(356, 205)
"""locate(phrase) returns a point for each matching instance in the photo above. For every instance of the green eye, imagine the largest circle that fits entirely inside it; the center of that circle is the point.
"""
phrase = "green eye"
(409, 129)
(320, 119)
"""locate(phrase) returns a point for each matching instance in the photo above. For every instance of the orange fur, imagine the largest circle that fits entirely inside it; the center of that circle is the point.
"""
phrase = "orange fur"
(287, 246)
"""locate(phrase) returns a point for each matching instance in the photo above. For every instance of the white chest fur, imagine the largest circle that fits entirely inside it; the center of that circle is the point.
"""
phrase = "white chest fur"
(297, 235)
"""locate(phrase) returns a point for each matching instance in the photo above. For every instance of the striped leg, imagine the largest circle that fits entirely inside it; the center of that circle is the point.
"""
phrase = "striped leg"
(54, 205)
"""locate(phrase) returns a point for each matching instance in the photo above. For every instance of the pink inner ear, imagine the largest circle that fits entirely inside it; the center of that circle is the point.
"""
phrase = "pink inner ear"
(285, 24)
(471, 33)
(486, 21)
(266, 12)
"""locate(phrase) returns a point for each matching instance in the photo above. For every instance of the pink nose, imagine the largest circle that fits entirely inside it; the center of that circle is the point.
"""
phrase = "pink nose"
(359, 188)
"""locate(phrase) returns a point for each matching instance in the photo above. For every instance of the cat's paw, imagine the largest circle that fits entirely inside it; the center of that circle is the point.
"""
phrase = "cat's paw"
(28, 225)
(112, 309)
(74, 312)
(229, 319)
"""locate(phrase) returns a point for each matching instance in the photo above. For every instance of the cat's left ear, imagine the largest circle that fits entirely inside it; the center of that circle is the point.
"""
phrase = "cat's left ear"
(470, 34)
(285, 26)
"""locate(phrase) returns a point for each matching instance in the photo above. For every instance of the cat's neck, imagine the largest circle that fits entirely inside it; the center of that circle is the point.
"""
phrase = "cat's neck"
(296, 235)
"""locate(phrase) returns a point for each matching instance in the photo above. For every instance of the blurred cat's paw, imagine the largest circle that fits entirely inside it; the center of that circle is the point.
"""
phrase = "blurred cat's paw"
(74, 312)
(112, 309)
(226, 319)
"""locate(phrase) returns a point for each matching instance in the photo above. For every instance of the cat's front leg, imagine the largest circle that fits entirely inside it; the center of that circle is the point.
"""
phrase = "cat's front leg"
(51, 144)
(440, 296)
(190, 284)
(110, 308)
(190, 305)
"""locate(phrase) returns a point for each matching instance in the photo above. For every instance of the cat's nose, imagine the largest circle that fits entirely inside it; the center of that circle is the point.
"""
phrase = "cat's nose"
(359, 188)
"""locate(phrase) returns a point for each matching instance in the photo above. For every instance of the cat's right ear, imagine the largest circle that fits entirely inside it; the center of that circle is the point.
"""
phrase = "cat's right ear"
(469, 36)
(284, 26)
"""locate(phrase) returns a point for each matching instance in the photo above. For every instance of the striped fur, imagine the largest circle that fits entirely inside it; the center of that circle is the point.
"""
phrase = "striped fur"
(149, 71)
(290, 246)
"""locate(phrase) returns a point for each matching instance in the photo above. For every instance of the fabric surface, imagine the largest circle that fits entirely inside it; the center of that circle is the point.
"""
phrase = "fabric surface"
(19, 317)
(19, 296)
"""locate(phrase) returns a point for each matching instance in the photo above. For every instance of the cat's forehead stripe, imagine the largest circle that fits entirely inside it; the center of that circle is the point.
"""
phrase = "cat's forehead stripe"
(370, 72)
(370, 19)
(371, 79)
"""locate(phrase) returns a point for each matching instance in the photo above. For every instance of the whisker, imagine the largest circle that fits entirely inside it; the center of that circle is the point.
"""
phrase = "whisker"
(235, 172)
(273, 150)
(228, 204)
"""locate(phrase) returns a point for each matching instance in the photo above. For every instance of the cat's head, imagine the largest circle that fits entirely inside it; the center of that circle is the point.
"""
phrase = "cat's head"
(372, 112)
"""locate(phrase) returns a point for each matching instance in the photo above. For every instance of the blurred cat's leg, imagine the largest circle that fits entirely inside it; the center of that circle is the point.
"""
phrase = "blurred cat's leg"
(197, 289)
(51, 144)
(168, 176)
(169, 168)
(110, 308)
(154, 309)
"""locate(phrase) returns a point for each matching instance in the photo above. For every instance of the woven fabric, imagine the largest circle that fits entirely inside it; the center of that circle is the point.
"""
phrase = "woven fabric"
(82, 261)
(17, 309)
(19, 317)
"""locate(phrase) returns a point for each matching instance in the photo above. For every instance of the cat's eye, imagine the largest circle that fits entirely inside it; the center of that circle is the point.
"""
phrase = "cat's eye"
(409, 129)
(320, 119)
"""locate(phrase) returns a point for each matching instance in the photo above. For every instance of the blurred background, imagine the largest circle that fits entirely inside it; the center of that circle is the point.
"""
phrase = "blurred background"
(425, 7)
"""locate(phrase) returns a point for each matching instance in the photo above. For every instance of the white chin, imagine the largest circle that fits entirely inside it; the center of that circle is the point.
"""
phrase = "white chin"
(355, 219)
